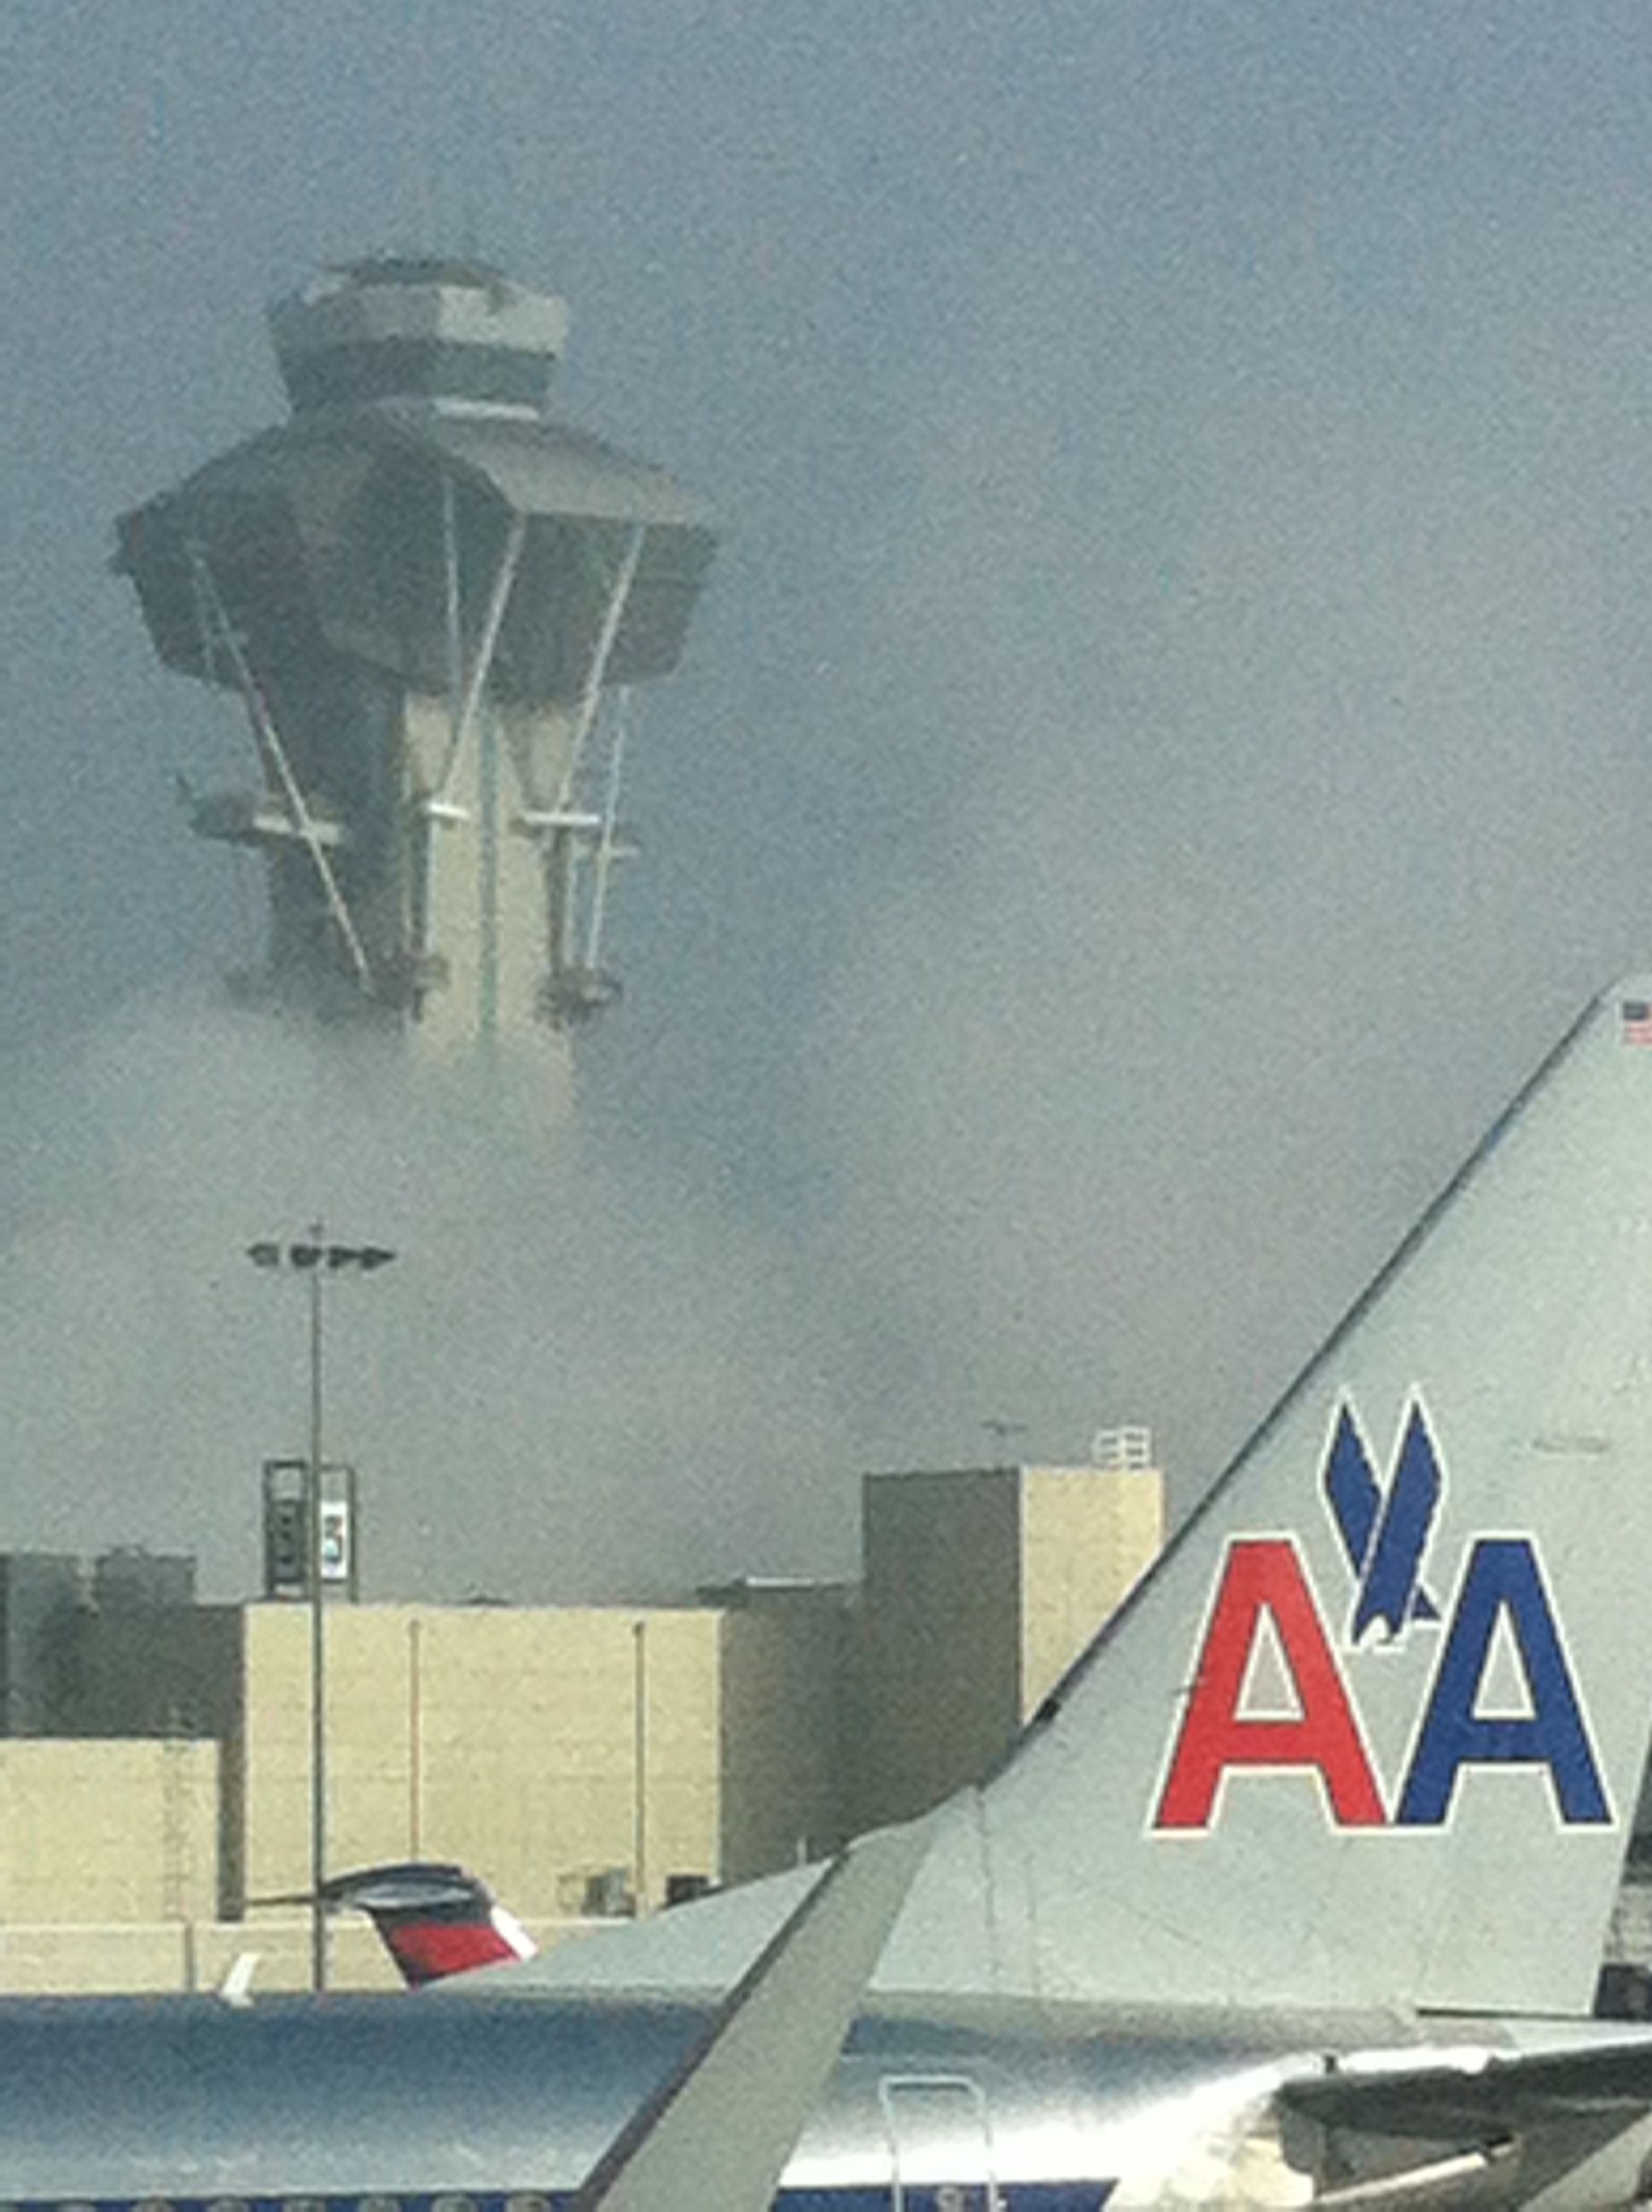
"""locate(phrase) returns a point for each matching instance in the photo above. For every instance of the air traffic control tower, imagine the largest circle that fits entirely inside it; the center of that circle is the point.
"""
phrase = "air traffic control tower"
(432, 600)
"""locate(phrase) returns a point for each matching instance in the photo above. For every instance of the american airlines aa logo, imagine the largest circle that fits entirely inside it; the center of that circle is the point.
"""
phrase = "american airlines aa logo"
(1264, 1610)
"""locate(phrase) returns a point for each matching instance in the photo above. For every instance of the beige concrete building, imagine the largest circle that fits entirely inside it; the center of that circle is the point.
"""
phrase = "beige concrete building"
(108, 1831)
(108, 1859)
(585, 1757)
(784, 1721)
(558, 1750)
(982, 1586)
(587, 1761)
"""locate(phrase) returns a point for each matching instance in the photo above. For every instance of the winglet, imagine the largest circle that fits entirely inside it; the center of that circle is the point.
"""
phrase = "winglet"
(236, 1988)
(716, 2137)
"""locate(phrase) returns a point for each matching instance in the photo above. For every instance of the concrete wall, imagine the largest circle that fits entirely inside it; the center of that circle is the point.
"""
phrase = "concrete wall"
(981, 1588)
(514, 1739)
(172, 1672)
(40, 1601)
(111, 1830)
(783, 1780)
(940, 1656)
(138, 1956)
(503, 1737)
(1087, 1534)
(531, 751)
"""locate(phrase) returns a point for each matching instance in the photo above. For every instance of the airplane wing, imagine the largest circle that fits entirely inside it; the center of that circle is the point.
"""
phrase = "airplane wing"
(717, 2135)
(1476, 2091)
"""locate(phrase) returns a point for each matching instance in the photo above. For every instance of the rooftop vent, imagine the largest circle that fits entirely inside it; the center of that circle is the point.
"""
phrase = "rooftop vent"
(1118, 1449)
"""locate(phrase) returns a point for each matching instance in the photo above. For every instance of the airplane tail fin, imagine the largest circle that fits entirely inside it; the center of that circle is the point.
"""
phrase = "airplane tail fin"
(434, 1919)
(1372, 1729)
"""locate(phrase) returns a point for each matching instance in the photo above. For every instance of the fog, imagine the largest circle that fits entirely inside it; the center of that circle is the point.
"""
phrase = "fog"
(575, 1378)
(1164, 749)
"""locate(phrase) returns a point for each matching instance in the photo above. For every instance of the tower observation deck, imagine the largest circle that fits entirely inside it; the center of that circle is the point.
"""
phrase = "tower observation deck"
(432, 600)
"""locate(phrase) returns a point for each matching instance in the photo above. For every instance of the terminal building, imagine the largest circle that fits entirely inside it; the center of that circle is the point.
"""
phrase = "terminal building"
(591, 1762)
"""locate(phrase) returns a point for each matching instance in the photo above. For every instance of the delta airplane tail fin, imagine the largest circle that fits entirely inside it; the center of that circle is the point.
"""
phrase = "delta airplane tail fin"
(434, 1919)
(1371, 1731)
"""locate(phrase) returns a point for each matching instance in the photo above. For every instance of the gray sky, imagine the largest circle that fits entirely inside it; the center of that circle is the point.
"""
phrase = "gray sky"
(1165, 748)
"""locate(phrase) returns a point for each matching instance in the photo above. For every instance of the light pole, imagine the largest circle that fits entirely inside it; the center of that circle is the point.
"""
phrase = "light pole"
(317, 1259)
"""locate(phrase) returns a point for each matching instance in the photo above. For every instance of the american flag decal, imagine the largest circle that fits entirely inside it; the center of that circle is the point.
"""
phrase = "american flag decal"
(1635, 1016)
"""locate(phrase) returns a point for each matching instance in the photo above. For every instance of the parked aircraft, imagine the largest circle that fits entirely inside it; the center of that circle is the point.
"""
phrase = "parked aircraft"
(435, 1918)
(1293, 1891)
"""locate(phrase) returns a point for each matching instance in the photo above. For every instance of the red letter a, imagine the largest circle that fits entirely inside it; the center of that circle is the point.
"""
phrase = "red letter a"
(1264, 1575)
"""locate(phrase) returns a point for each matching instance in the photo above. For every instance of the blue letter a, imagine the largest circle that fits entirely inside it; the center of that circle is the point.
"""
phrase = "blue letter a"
(1504, 1576)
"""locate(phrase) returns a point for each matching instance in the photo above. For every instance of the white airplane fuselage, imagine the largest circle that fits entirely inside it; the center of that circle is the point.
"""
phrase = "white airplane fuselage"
(475, 2107)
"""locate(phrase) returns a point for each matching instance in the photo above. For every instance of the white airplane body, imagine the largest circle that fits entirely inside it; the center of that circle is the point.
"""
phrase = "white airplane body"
(1294, 1892)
